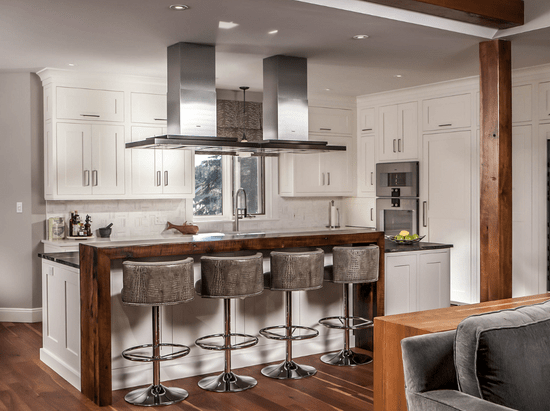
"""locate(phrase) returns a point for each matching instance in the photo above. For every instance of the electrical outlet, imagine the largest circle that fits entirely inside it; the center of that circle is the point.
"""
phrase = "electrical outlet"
(19, 207)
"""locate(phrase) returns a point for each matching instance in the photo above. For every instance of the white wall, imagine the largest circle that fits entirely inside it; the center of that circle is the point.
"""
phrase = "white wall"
(21, 171)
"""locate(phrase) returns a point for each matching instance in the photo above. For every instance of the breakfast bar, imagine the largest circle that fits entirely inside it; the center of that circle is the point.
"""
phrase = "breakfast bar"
(98, 258)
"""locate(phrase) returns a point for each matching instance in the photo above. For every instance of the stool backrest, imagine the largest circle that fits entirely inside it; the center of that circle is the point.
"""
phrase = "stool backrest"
(236, 276)
(157, 283)
(356, 264)
(293, 270)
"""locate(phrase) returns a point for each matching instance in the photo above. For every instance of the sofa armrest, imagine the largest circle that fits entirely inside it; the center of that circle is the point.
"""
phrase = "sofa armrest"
(428, 362)
(449, 400)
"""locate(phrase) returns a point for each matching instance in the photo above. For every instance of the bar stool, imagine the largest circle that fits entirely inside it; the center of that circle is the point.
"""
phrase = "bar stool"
(292, 270)
(228, 277)
(155, 284)
(351, 265)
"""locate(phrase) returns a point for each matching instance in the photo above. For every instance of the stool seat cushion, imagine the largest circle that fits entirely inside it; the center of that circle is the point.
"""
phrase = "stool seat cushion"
(355, 264)
(157, 283)
(297, 270)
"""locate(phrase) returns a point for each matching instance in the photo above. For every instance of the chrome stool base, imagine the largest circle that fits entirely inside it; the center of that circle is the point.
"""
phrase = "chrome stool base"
(346, 358)
(288, 370)
(156, 395)
(227, 382)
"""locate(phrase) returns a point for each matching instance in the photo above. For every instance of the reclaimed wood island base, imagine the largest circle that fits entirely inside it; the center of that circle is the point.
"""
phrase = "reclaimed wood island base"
(95, 286)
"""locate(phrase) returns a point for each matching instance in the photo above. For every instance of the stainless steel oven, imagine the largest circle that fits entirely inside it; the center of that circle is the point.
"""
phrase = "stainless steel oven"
(397, 197)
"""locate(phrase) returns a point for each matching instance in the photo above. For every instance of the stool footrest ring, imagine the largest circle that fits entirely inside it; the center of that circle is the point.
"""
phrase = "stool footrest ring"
(130, 355)
(267, 332)
(249, 341)
(339, 322)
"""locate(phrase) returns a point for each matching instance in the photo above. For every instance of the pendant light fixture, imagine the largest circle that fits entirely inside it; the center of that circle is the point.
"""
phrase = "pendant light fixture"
(244, 88)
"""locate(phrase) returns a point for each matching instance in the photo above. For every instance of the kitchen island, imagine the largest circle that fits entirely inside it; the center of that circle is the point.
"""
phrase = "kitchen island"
(99, 260)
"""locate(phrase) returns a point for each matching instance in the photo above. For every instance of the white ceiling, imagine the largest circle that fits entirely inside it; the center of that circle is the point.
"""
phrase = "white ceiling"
(131, 37)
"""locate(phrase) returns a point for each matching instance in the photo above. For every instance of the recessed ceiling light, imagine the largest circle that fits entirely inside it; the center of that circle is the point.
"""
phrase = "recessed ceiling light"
(227, 25)
(72, 64)
(398, 75)
(273, 32)
(360, 37)
(327, 89)
(179, 7)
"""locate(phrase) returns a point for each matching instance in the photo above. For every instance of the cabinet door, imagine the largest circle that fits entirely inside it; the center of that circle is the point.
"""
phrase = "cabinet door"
(521, 103)
(388, 132)
(178, 176)
(74, 158)
(400, 287)
(544, 101)
(146, 164)
(366, 120)
(407, 124)
(148, 108)
(90, 105)
(308, 175)
(433, 280)
(330, 120)
(107, 159)
(446, 112)
(445, 195)
(359, 212)
(366, 165)
(337, 167)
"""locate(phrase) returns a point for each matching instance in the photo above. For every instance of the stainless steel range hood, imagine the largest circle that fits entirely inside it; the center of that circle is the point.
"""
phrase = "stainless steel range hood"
(192, 107)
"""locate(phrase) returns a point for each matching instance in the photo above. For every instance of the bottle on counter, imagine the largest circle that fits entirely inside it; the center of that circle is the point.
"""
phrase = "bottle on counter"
(75, 218)
(88, 226)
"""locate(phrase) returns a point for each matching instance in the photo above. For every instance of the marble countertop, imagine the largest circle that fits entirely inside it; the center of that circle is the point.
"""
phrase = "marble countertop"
(70, 259)
(391, 247)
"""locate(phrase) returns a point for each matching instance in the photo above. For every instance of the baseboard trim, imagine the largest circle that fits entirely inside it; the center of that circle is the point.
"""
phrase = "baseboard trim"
(61, 368)
(20, 315)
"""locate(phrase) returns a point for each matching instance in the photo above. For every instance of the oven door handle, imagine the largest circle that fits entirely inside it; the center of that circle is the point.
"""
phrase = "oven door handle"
(424, 213)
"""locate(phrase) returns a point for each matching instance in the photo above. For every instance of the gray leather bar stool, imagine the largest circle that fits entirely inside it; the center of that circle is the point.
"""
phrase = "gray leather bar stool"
(229, 276)
(292, 270)
(155, 284)
(351, 265)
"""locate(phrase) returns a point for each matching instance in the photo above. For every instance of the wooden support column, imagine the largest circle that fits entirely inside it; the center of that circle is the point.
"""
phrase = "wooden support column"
(496, 170)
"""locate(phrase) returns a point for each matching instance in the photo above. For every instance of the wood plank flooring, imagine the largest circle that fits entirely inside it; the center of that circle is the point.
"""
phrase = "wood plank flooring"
(28, 384)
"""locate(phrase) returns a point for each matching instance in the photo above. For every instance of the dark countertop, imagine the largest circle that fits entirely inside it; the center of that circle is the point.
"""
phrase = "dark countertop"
(70, 259)
(392, 247)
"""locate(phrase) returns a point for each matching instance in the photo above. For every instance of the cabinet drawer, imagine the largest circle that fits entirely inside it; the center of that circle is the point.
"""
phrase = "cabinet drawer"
(330, 120)
(148, 108)
(90, 105)
(446, 113)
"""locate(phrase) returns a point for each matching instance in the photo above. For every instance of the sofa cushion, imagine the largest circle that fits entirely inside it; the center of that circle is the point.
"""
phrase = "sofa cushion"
(504, 357)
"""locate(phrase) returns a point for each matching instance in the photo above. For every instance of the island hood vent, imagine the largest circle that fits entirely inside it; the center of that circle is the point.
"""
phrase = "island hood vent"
(192, 107)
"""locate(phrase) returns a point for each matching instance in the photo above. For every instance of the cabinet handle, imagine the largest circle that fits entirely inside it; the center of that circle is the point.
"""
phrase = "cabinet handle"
(371, 219)
(394, 145)
(446, 125)
(325, 129)
(115, 106)
(424, 213)
(367, 129)
(94, 178)
(399, 145)
(328, 175)
(371, 177)
(86, 178)
(160, 119)
(158, 178)
(90, 115)
(323, 178)
(166, 178)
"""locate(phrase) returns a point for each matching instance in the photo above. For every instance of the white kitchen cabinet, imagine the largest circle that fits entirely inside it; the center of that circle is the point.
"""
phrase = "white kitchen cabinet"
(90, 105)
(61, 320)
(90, 160)
(445, 212)
(417, 281)
(366, 165)
(323, 174)
(446, 113)
(148, 108)
(324, 120)
(398, 132)
(366, 120)
(169, 173)
(544, 101)
(521, 103)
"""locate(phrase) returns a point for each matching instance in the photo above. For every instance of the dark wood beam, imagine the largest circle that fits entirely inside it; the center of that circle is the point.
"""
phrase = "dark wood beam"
(498, 14)
(496, 170)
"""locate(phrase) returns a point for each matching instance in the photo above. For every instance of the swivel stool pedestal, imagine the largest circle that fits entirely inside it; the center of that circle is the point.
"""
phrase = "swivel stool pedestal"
(228, 277)
(155, 284)
(351, 265)
(292, 270)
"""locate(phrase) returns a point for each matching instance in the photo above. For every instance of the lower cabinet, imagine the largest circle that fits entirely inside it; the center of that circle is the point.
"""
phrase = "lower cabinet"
(61, 320)
(417, 281)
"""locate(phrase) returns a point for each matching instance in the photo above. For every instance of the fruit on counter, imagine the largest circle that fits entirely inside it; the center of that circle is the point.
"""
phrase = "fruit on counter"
(415, 236)
(408, 237)
(399, 237)
(404, 233)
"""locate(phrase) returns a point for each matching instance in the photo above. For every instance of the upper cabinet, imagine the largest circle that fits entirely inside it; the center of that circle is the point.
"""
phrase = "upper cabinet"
(148, 108)
(398, 132)
(366, 166)
(330, 120)
(90, 105)
(544, 101)
(521, 103)
(446, 113)
(366, 120)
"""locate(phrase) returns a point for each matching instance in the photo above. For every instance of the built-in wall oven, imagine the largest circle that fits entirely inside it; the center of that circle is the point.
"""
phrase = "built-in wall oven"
(397, 197)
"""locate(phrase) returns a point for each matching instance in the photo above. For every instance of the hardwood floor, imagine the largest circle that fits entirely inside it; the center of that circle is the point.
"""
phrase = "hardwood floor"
(28, 384)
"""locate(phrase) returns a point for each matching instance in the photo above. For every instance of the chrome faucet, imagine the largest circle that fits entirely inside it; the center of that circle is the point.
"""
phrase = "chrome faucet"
(240, 209)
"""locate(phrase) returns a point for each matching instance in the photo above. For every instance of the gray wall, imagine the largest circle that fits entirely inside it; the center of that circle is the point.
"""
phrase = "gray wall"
(21, 165)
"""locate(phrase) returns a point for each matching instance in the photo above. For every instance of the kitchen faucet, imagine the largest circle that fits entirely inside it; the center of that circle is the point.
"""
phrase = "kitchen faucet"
(240, 209)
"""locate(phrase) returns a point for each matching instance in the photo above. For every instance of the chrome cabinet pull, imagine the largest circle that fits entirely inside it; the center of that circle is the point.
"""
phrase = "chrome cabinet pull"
(446, 125)
(325, 129)
(424, 213)
(158, 178)
(367, 129)
(328, 175)
(166, 178)
(90, 115)
(371, 178)
(399, 145)
(94, 178)
(394, 145)
(323, 178)
(86, 178)
(160, 119)
(371, 210)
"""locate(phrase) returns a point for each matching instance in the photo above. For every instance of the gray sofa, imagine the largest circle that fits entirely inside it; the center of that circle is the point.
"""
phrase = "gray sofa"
(493, 361)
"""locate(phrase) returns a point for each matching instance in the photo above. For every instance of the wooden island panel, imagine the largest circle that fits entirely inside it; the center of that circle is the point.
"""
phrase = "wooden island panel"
(95, 291)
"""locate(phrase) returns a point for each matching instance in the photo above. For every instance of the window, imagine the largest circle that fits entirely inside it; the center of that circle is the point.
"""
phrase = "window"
(208, 186)
(249, 173)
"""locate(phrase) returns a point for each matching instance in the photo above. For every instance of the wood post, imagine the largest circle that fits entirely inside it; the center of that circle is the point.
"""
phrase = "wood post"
(496, 170)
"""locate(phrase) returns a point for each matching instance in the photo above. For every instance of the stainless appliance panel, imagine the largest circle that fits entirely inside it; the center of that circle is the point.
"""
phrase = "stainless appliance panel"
(397, 179)
(396, 214)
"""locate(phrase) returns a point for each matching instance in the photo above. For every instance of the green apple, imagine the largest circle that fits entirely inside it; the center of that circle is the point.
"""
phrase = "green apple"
(408, 237)
(399, 237)
(415, 236)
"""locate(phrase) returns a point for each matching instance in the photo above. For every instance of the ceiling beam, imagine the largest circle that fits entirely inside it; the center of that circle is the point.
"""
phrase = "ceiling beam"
(498, 14)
